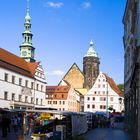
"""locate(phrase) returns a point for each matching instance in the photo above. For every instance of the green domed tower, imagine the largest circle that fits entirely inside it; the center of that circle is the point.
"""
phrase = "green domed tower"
(26, 47)
(90, 67)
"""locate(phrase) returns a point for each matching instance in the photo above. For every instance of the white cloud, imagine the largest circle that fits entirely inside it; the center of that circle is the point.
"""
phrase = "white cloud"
(54, 4)
(56, 72)
(86, 5)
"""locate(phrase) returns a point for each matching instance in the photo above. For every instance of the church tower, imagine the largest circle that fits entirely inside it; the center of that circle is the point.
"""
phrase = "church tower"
(26, 47)
(90, 67)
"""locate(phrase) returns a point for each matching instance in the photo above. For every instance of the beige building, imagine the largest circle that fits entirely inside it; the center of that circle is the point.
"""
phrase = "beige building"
(63, 97)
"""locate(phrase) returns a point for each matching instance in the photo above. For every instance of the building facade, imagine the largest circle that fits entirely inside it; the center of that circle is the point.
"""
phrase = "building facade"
(22, 84)
(22, 79)
(63, 98)
(90, 67)
(131, 39)
(104, 94)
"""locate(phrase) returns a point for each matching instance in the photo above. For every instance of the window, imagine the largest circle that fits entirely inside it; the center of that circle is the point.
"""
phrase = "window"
(20, 81)
(98, 86)
(102, 98)
(102, 107)
(93, 106)
(41, 102)
(32, 100)
(6, 77)
(103, 86)
(60, 102)
(88, 98)
(93, 98)
(41, 87)
(111, 98)
(5, 95)
(37, 101)
(32, 85)
(13, 96)
(63, 102)
(20, 98)
(26, 99)
(26, 83)
(88, 106)
(62, 96)
(37, 86)
(13, 79)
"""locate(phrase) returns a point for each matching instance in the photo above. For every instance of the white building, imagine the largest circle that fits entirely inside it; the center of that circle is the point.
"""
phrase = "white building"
(22, 84)
(22, 79)
(102, 95)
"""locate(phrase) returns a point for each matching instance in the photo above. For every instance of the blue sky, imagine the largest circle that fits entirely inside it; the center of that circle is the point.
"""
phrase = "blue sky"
(62, 31)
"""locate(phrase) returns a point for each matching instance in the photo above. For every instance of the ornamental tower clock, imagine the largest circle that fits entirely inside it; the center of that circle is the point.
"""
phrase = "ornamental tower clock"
(26, 47)
(90, 67)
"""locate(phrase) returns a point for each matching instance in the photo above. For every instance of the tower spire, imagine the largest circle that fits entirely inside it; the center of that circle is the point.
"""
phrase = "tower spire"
(91, 51)
(26, 47)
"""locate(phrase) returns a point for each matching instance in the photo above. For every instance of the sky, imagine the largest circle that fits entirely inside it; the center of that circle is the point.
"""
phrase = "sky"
(62, 31)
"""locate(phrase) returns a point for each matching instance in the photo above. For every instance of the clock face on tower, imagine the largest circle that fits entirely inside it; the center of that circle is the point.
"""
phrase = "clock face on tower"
(24, 53)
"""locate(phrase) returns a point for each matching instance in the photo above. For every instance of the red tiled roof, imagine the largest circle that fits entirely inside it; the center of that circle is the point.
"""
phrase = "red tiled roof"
(32, 67)
(58, 92)
(113, 85)
(17, 64)
(13, 59)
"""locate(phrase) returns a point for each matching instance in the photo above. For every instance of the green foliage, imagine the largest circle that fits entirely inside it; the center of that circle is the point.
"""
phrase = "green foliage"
(121, 87)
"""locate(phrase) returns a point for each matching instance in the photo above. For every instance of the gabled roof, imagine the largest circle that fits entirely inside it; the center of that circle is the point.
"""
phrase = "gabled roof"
(74, 64)
(113, 85)
(17, 64)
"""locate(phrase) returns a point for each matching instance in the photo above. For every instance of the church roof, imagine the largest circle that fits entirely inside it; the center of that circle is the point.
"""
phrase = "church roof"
(91, 51)
(17, 64)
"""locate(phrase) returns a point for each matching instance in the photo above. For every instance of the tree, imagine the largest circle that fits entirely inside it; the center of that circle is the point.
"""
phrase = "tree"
(121, 87)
